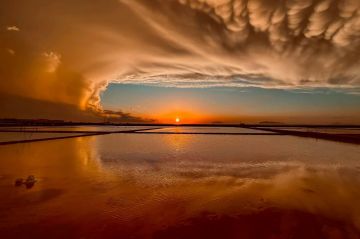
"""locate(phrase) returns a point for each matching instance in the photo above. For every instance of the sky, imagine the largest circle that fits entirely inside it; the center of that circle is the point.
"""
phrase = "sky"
(232, 104)
(207, 60)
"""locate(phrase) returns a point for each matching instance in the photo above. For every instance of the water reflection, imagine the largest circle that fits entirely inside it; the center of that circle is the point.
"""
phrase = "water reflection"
(181, 186)
(222, 130)
(176, 142)
(21, 136)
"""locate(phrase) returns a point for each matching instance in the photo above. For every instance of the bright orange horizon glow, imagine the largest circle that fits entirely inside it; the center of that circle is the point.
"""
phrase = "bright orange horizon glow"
(190, 117)
(178, 116)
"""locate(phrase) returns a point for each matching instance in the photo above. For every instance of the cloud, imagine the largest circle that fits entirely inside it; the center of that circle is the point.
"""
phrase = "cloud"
(53, 60)
(14, 106)
(10, 51)
(120, 116)
(41, 76)
(189, 80)
(290, 43)
(13, 28)
(183, 43)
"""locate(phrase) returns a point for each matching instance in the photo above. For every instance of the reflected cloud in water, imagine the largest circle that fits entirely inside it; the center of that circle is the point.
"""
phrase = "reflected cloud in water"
(161, 185)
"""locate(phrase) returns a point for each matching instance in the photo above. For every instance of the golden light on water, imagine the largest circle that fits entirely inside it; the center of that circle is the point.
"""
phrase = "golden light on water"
(179, 116)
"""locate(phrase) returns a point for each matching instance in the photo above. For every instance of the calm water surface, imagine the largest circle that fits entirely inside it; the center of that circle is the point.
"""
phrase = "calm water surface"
(91, 128)
(181, 186)
(322, 130)
(14, 136)
(221, 130)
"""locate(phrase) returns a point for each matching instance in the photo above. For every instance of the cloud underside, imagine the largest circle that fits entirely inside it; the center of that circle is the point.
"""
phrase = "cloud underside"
(251, 43)
(183, 43)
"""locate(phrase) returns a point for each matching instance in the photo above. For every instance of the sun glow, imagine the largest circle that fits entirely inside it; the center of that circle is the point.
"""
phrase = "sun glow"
(178, 117)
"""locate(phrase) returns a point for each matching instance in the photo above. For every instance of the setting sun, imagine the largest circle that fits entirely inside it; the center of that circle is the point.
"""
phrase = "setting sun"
(177, 120)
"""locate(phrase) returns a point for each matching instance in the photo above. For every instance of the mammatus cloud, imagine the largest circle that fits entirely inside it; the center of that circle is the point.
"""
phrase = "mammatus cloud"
(255, 42)
(184, 43)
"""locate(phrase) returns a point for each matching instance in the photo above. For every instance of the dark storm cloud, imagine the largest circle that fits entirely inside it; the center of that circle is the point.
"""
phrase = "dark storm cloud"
(294, 43)
(120, 116)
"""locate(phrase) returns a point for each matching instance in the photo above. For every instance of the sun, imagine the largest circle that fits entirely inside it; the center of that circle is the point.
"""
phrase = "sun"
(177, 120)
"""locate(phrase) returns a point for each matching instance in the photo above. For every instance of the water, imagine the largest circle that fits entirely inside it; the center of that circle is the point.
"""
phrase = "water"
(13, 136)
(321, 130)
(90, 128)
(181, 186)
(219, 130)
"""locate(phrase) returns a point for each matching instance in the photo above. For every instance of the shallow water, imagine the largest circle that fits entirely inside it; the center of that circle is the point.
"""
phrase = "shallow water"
(321, 130)
(14, 136)
(181, 186)
(90, 128)
(220, 130)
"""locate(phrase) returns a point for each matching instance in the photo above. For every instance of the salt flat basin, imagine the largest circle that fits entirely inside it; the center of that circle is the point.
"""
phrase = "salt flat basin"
(325, 130)
(16, 136)
(204, 130)
(89, 128)
(181, 186)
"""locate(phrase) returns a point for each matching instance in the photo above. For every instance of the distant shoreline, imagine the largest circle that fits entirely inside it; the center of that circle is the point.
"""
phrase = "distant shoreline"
(29, 122)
